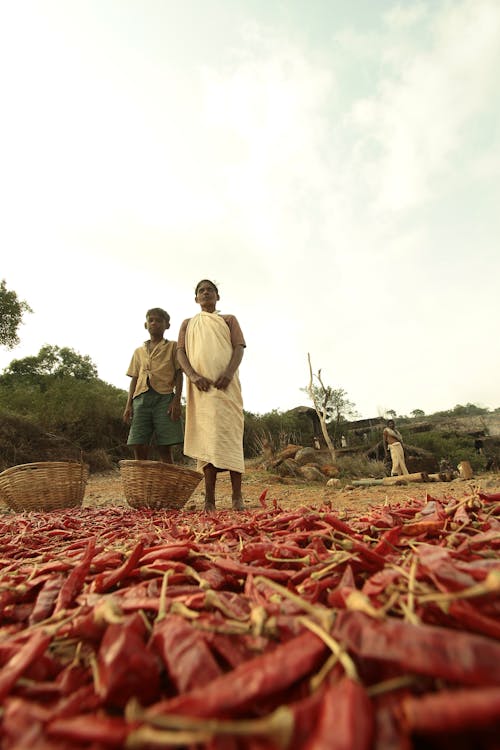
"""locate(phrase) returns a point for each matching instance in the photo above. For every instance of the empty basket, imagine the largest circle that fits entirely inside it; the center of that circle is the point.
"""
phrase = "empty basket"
(46, 485)
(154, 484)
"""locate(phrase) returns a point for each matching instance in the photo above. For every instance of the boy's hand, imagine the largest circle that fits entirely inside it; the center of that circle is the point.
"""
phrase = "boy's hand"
(127, 415)
(174, 410)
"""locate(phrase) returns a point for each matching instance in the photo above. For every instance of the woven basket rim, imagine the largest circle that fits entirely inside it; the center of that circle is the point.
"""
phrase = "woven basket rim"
(175, 468)
(43, 464)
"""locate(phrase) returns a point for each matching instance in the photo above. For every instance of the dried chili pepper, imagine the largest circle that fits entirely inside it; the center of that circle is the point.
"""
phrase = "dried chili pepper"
(126, 667)
(345, 719)
(460, 657)
(46, 599)
(90, 728)
(452, 710)
(184, 651)
(256, 678)
(74, 582)
(106, 581)
(20, 661)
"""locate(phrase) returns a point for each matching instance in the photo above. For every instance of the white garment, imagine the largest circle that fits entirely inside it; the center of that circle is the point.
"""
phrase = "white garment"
(214, 418)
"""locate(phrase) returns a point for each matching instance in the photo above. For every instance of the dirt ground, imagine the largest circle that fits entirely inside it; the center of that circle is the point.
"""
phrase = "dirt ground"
(107, 488)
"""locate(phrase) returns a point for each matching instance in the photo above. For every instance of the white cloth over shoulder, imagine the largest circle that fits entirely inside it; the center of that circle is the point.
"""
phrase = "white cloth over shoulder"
(214, 418)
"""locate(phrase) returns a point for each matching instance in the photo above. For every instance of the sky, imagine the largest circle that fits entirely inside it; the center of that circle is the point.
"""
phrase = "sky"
(333, 165)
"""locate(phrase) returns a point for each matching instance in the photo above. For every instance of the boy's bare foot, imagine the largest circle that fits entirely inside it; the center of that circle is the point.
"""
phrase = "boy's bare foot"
(238, 504)
(209, 506)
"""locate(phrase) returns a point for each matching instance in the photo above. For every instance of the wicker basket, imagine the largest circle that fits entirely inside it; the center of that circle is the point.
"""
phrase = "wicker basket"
(46, 485)
(154, 484)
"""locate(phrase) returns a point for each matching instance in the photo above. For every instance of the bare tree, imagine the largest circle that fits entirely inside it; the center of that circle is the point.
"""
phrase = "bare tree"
(320, 407)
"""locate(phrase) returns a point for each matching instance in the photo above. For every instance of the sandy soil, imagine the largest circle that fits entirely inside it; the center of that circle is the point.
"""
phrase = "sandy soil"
(106, 488)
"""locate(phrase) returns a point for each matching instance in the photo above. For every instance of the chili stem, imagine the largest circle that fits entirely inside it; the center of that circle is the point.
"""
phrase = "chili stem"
(334, 646)
(321, 613)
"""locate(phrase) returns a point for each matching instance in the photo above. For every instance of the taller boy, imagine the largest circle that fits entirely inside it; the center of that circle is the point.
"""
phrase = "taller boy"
(154, 398)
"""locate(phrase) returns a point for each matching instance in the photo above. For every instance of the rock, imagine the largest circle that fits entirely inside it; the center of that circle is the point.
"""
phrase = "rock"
(312, 473)
(288, 452)
(333, 483)
(289, 468)
(329, 470)
(309, 456)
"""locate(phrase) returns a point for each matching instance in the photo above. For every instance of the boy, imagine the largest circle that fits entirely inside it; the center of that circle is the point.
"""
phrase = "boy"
(154, 399)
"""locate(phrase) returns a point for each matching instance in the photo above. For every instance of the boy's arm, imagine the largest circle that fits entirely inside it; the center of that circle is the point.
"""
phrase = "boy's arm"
(127, 414)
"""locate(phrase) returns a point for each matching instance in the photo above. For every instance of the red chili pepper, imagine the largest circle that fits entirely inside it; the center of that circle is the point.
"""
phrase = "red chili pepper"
(456, 656)
(490, 498)
(388, 543)
(345, 720)
(166, 552)
(184, 651)
(335, 523)
(389, 734)
(90, 728)
(430, 527)
(46, 599)
(452, 711)
(105, 581)
(23, 723)
(19, 663)
(126, 666)
(252, 680)
(471, 618)
(262, 498)
(74, 582)
(240, 569)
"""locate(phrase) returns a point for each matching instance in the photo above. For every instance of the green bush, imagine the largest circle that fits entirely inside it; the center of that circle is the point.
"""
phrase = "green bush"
(452, 447)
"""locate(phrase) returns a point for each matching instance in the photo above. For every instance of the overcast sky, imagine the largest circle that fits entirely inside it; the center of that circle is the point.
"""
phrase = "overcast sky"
(332, 164)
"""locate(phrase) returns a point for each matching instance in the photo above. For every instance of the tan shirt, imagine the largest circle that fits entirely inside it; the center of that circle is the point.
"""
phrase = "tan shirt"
(154, 367)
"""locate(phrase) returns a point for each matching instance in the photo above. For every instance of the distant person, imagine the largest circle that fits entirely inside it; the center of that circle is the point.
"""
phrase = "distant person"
(393, 443)
(210, 349)
(343, 441)
(154, 399)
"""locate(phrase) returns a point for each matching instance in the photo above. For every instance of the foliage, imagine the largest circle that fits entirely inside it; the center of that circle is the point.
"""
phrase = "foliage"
(277, 428)
(54, 360)
(335, 406)
(358, 466)
(451, 447)
(84, 413)
(418, 413)
(469, 410)
(12, 310)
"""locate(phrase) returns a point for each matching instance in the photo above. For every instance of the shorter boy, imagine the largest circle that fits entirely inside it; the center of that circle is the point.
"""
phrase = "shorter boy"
(154, 398)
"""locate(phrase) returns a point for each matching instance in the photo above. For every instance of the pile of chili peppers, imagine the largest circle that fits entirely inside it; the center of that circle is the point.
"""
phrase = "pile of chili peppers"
(259, 630)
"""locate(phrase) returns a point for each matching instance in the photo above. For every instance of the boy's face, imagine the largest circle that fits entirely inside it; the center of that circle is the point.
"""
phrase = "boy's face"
(156, 324)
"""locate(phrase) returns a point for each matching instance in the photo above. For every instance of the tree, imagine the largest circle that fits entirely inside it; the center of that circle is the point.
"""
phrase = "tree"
(418, 413)
(56, 361)
(12, 310)
(318, 395)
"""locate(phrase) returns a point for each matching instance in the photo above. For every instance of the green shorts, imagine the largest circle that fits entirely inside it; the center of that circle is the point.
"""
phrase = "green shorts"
(150, 417)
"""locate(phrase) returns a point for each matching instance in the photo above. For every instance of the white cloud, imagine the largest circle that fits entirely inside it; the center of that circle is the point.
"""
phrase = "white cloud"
(416, 119)
(323, 187)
